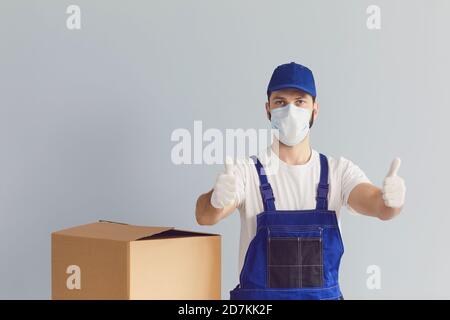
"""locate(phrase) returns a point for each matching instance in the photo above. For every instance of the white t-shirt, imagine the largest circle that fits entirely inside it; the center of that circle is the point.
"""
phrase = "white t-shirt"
(294, 188)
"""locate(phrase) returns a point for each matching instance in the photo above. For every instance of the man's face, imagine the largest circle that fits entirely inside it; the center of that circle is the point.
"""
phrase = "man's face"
(299, 98)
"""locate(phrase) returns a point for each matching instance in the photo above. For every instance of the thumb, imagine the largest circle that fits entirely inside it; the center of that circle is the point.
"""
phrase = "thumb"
(229, 165)
(395, 165)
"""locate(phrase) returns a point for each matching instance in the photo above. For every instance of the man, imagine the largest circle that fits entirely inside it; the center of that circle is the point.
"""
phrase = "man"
(289, 200)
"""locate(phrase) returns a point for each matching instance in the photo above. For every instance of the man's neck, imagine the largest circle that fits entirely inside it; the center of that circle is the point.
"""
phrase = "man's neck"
(295, 155)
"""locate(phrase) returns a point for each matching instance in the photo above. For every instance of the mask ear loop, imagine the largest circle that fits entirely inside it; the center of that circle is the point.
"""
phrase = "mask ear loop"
(311, 122)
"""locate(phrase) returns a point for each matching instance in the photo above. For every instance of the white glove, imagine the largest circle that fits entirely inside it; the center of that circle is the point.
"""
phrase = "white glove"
(394, 188)
(224, 192)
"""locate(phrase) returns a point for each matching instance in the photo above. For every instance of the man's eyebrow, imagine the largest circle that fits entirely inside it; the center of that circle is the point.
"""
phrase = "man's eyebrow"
(301, 96)
(278, 97)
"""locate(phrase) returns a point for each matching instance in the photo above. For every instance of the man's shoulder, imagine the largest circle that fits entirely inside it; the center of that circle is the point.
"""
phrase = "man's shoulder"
(338, 163)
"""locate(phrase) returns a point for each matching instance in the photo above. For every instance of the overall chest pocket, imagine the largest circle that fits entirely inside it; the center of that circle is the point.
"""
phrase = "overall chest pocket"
(294, 257)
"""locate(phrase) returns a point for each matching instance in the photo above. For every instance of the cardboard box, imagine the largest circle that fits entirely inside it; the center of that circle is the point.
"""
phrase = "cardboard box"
(109, 260)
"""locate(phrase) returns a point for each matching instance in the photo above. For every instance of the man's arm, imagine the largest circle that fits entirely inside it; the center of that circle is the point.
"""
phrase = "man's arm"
(206, 214)
(367, 199)
(384, 203)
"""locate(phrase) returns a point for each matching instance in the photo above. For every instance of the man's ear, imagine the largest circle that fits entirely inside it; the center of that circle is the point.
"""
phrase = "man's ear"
(268, 111)
(316, 108)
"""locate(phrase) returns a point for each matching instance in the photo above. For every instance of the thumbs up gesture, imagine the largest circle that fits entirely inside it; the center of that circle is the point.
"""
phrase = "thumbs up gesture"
(394, 188)
(224, 192)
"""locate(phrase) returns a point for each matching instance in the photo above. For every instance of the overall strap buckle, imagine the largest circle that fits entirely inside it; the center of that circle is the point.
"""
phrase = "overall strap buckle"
(266, 191)
(322, 191)
(322, 187)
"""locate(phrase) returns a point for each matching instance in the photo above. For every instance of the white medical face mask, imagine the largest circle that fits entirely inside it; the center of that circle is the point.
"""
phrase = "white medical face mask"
(291, 123)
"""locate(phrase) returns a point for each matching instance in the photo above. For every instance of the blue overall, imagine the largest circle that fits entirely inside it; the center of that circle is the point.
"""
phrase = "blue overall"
(295, 254)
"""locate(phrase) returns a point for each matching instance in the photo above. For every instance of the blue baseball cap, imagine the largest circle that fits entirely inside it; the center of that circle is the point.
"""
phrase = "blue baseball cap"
(292, 75)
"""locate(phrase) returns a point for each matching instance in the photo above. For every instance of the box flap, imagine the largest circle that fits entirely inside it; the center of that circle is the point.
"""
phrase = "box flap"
(110, 230)
(199, 233)
(175, 233)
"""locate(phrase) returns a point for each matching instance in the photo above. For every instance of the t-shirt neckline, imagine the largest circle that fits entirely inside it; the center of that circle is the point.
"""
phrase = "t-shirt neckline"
(272, 159)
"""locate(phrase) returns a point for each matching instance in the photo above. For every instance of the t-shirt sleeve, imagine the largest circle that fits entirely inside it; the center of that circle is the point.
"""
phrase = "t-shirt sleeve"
(240, 174)
(352, 175)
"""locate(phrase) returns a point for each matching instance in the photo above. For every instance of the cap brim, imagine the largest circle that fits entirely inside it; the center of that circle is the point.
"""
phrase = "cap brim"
(292, 86)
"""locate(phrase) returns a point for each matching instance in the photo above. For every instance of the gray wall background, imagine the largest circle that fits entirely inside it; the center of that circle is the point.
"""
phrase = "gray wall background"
(86, 118)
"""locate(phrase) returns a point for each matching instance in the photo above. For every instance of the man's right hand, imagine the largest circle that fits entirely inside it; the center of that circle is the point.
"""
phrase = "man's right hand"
(224, 192)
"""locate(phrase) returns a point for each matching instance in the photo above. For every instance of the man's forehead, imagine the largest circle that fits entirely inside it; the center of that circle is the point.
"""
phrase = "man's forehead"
(288, 93)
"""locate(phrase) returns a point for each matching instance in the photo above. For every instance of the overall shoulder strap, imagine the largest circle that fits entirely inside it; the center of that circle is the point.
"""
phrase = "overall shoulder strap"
(322, 187)
(264, 187)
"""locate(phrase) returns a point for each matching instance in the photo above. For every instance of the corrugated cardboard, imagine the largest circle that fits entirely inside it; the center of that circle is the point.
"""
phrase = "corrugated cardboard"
(108, 260)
